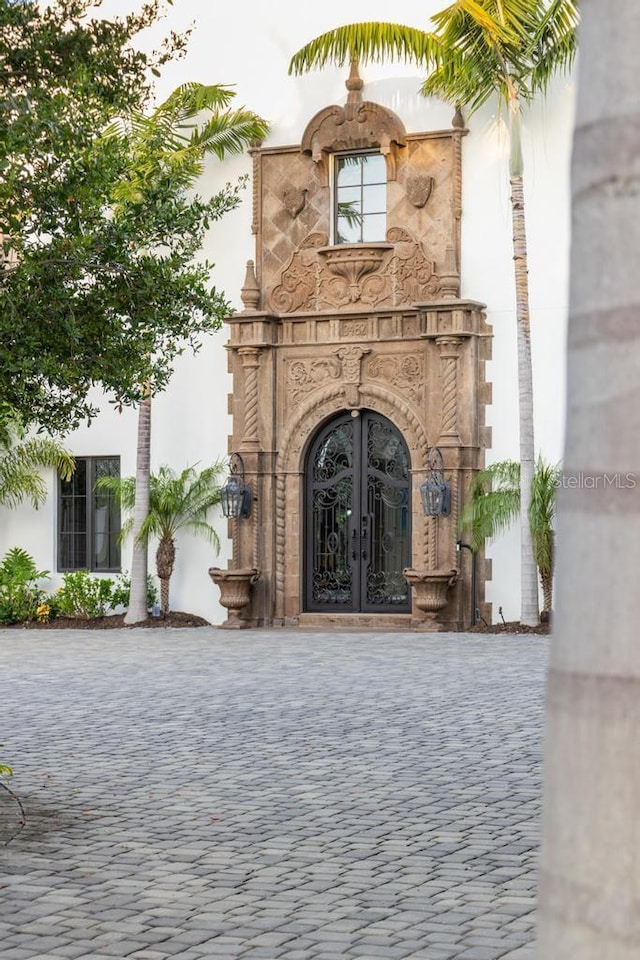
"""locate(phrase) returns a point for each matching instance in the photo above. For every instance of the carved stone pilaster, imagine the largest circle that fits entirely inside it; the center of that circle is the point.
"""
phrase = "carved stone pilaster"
(250, 357)
(257, 189)
(456, 196)
(449, 356)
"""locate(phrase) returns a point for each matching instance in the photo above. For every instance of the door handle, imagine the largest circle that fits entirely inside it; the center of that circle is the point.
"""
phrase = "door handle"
(365, 542)
(354, 543)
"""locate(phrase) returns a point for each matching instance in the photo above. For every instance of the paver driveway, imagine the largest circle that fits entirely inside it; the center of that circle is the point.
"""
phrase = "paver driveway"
(270, 795)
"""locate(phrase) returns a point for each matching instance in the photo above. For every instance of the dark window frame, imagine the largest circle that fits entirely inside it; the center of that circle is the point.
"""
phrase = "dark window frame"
(66, 554)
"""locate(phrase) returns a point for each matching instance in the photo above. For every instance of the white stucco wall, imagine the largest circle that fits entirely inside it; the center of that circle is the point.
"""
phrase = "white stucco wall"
(249, 43)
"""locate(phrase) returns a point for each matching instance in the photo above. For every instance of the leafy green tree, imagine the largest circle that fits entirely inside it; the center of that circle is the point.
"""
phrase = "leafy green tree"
(177, 501)
(172, 144)
(481, 49)
(22, 459)
(494, 505)
(81, 302)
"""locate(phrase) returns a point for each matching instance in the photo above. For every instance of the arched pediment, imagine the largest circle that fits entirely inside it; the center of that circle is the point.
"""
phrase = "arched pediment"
(356, 126)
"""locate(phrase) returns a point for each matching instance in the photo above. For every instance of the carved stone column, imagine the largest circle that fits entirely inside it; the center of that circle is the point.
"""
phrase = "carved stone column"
(449, 356)
(250, 357)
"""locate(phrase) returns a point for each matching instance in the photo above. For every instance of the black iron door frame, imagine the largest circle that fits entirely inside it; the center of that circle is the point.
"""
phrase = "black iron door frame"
(357, 517)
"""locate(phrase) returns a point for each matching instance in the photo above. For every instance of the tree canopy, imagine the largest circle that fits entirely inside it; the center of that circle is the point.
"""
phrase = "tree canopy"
(101, 285)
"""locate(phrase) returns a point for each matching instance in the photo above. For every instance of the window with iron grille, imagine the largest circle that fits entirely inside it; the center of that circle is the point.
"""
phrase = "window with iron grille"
(88, 520)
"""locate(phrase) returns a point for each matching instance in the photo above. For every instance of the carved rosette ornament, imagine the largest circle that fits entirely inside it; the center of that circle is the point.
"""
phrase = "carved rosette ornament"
(449, 357)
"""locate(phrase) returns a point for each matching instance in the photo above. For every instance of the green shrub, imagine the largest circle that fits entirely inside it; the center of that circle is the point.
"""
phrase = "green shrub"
(122, 590)
(83, 595)
(20, 594)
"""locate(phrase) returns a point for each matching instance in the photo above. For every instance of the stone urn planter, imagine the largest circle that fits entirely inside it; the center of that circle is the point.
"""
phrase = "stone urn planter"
(235, 592)
(430, 588)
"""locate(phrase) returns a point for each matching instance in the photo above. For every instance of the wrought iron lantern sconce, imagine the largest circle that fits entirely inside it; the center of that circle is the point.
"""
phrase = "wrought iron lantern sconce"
(435, 491)
(235, 495)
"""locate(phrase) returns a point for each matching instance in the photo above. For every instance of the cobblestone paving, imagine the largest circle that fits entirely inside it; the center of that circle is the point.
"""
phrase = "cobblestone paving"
(270, 795)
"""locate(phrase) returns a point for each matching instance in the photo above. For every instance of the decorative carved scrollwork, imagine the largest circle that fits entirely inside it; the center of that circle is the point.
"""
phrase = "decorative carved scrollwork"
(413, 276)
(298, 280)
(306, 375)
(319, 277)
(404, 371)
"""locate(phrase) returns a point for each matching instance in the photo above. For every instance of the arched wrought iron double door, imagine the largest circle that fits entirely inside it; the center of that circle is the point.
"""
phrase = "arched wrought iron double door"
(357, 517)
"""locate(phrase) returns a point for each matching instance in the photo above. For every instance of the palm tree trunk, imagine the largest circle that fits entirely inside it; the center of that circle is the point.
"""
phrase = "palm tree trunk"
(591, 842)
(138, 597)
(165, 561)
(546, 580)
(529, 610)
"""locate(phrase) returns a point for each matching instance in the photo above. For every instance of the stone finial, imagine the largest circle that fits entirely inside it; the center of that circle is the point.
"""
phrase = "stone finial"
(354, 84)
(449, 276)
(250, 292)
(458, 120)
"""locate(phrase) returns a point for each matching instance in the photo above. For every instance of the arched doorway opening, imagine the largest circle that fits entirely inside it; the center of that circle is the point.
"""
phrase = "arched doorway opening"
(357, 517)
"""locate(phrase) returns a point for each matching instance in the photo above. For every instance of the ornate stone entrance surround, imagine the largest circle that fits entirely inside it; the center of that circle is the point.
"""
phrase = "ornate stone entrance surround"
(378, 326)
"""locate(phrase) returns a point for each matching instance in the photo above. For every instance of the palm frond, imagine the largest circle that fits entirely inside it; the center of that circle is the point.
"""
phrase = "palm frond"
(554, 43)
(477, 48)
(189, 99)
(123, 488)
(229, 133)
(542, 511)
(366, 42)
(494, 502)
(175, 500)
(20, 466)
(205, 530)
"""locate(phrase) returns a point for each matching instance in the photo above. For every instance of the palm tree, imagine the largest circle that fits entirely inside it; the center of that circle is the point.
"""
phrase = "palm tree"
(171, 141)
(22, 458)
(494, 504)
(478, 50)
(588, 906)
(176, 502)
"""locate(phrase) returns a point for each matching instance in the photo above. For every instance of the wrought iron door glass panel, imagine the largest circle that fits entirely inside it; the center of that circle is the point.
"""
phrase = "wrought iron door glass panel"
(332, 502)
(357, 518)
(388, 510)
